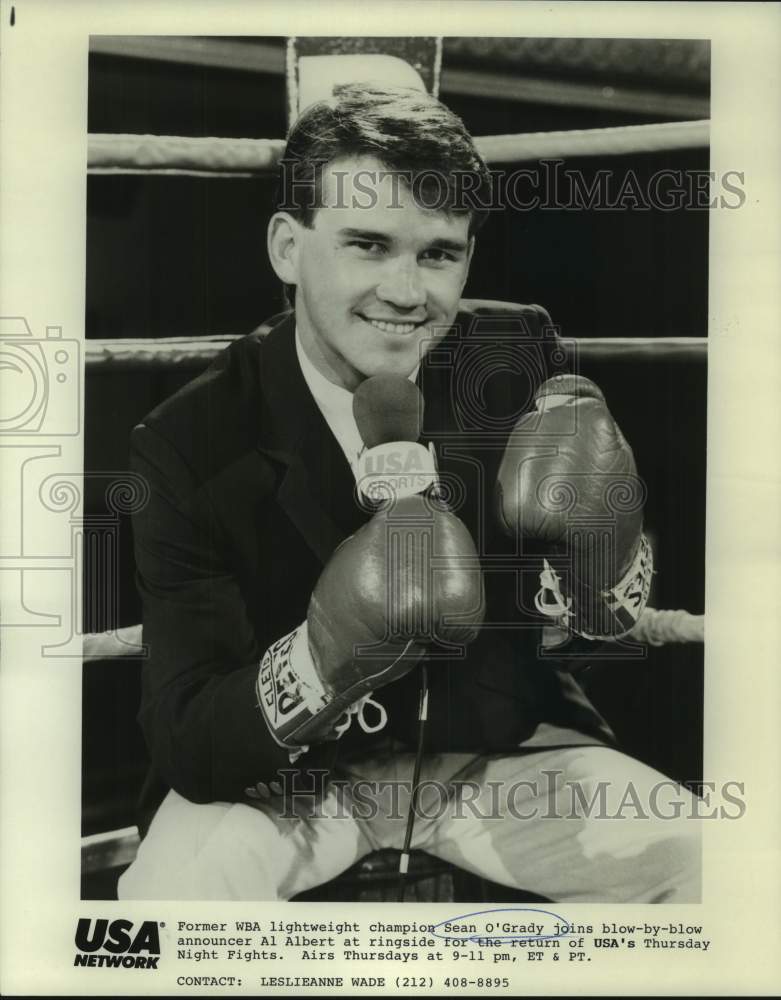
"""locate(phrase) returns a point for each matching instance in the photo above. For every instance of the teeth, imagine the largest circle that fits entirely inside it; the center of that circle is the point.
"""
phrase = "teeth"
(387, 327)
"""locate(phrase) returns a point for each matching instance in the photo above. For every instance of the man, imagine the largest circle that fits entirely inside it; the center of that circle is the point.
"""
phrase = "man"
(254, 550)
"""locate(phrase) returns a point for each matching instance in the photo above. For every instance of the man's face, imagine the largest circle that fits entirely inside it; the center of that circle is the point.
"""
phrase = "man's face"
(378, 278)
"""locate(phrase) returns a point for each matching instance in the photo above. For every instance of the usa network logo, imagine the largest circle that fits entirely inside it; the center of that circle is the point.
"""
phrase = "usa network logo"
(103, 943)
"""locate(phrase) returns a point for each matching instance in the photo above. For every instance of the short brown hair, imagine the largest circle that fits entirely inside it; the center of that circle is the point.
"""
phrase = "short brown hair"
(406, 130)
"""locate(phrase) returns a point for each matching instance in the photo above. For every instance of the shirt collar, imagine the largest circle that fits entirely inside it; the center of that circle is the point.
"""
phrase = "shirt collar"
(331, 398)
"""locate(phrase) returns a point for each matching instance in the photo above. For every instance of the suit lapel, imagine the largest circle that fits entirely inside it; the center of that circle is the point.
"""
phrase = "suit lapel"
(436, 381)
(317, 489)
(317, 486)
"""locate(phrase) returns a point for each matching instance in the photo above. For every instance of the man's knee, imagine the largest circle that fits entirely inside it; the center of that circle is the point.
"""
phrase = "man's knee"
(203, 852)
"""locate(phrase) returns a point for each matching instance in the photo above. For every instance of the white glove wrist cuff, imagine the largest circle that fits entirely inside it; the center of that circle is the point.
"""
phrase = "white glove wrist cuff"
(288, 687)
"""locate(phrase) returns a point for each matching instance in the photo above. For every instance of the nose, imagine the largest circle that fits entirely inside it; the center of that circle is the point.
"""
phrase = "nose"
(401, 285)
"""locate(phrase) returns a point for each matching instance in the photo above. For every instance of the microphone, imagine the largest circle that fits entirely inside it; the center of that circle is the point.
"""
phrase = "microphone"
(388, 410)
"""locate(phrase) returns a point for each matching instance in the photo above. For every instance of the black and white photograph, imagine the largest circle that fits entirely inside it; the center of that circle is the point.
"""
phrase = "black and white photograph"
(389, 517)
(365, 471)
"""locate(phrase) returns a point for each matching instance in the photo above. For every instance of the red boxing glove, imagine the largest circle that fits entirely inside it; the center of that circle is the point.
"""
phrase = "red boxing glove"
(568, 479)
(409, 577)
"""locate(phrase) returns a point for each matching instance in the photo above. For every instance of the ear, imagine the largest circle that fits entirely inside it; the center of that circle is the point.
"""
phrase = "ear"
(282, 244)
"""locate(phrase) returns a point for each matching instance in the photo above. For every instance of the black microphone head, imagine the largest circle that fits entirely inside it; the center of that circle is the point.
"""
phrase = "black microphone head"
(388, 408)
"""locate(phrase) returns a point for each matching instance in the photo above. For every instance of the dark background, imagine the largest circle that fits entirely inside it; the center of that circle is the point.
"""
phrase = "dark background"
(173, 256)
(179, 256)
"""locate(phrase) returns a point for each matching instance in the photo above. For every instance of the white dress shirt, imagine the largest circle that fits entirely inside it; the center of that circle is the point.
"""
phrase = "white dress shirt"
(336, 405)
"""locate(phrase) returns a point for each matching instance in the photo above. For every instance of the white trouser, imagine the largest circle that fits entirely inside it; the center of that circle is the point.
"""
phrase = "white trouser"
(572, 824)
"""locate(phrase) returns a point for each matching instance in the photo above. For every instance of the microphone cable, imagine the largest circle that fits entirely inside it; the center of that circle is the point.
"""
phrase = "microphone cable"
(388, 410)
(405, 851)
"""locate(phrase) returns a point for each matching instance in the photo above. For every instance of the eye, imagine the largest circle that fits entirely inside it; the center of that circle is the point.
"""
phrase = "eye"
(368, 246)
(436, 255)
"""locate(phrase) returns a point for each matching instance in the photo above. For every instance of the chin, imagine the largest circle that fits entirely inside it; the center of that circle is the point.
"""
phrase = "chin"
(397, 365)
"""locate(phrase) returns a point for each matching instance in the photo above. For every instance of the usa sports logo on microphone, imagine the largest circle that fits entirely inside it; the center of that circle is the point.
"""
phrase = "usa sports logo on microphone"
(394, 470)
(388, 410)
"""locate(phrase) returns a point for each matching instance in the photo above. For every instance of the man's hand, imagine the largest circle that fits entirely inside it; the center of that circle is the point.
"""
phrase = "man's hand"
(409, 578)
(568, 480)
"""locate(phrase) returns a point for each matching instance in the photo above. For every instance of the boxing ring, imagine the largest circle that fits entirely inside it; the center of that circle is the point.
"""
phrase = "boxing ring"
(220, 158)
(115, 153)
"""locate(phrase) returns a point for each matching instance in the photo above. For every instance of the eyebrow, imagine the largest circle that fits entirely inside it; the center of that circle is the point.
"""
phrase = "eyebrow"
(457, 246)
(366, 234)
(442, 243)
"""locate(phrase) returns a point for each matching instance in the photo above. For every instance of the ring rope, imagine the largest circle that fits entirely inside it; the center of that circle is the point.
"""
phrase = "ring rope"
(617, 141)
(169, 172)
(654, 627)
(657, 628)
(165, 152)
(161, 352)
(111, 153)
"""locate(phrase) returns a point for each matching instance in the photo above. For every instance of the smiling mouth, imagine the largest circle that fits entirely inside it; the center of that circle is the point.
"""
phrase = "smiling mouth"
(392, 326)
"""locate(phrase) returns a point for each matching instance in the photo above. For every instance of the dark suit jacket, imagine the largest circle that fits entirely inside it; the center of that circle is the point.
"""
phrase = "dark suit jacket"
(250, 495)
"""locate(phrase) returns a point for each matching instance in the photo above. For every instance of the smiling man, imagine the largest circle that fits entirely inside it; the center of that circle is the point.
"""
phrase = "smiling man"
(393, 276)
(382, 196)
(261, 573)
